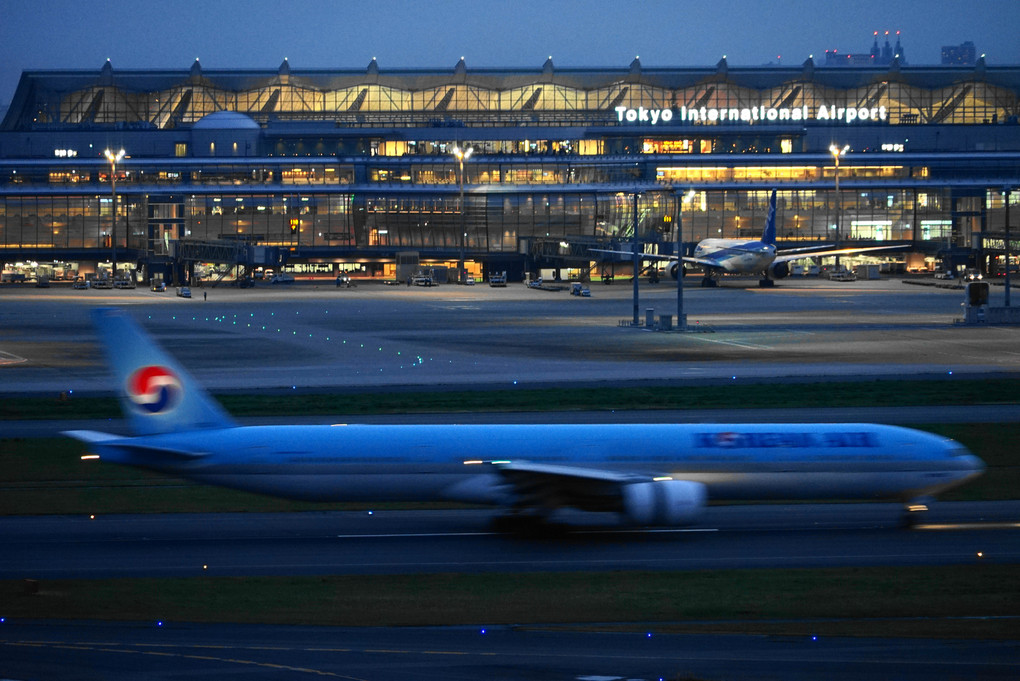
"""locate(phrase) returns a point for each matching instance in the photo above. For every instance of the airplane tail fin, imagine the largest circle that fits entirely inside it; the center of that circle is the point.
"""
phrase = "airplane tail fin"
(769, 236)
(157, 395)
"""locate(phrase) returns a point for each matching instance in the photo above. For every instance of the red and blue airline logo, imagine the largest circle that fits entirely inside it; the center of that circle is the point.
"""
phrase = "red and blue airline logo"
(154, 389)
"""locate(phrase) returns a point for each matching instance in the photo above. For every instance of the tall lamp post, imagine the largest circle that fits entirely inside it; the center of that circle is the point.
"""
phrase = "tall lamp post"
(681, 316)
(461, 156)
(1005, 195)
(114, 157)
(836, 154)
(636, 258)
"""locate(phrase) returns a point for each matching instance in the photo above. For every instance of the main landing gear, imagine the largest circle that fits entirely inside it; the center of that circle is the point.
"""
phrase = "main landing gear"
(914, 513)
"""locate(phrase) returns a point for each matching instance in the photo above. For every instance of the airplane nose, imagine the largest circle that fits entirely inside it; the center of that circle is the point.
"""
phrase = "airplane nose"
(975, 465)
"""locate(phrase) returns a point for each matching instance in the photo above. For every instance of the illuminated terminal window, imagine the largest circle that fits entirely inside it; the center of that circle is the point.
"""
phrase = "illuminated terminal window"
(68, 177)
(300, 176)
(723, 174)
(873, 229)
(393, 148)
(936, 229)
(775, 173)
(653, 146)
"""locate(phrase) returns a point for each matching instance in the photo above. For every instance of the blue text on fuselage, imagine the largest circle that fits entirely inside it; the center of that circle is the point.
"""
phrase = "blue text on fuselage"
(732, 440)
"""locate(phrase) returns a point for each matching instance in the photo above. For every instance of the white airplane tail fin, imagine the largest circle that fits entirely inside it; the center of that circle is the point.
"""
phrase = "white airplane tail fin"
(769, 235)
(157, 395)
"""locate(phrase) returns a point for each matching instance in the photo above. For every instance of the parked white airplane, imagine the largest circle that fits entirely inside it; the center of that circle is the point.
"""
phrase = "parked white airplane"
(744, 256)
(649, 474)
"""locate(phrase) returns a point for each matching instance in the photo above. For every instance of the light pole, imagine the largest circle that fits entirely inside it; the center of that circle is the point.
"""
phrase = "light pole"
(681, 317)
(836, 154)
(461, 155)
(636, 258)
(1005, 195)
(114, 157)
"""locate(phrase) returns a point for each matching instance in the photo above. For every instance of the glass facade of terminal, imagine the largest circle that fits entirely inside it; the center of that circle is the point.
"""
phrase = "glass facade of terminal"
(497, 98)
(334, 167)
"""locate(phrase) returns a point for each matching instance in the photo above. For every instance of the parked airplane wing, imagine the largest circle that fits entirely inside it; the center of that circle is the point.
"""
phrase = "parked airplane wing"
(704, 262)
(644, 256)
(801, 253)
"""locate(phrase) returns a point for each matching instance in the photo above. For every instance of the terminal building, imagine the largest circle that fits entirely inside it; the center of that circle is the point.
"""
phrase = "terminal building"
(319, 172)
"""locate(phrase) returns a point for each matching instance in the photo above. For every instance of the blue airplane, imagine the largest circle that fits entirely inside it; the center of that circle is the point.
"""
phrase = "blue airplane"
(651, 474)
(717, 257)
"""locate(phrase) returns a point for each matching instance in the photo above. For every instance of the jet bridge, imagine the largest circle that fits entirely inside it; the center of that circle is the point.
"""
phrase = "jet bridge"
(572, 251)
(236, 252)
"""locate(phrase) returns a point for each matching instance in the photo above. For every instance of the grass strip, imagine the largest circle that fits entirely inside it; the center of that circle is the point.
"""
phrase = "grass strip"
(979, 600)
(741, 396)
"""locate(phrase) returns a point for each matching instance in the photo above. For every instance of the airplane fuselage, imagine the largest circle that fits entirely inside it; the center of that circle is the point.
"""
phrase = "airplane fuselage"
(736, 256)
(469, 462)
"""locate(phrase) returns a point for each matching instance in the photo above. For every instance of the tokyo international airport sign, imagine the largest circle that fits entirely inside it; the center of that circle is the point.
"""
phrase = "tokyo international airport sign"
(754, 114)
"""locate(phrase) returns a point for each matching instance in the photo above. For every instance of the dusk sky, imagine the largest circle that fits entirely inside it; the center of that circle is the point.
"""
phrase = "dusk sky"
(71, 34)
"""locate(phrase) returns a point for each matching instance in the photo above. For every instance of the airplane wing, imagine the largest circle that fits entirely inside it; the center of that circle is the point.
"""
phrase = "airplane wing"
(787, 255)
(704, 262)
(128, 450)
(648, 500)
(90, 435)
(548, 486)
(630, 254)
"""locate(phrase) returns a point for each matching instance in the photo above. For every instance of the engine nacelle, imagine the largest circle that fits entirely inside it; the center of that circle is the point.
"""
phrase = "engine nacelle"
(673, 268)
(663, 502)
(779, 270)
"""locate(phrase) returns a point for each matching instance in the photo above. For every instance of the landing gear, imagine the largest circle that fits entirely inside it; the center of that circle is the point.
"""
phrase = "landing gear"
(708, 282)
(766, 283)
(914, 513)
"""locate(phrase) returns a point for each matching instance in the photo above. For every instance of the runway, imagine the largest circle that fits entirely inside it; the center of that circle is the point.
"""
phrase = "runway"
(383, 542)
(463, 541)
(124, 652)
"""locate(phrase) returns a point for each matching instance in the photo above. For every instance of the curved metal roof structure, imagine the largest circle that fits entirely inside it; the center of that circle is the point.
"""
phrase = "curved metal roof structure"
(491, 97)
(226, 120)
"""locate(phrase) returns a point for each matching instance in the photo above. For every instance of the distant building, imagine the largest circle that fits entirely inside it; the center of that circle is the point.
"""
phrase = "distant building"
(964, 54)
(878, 56)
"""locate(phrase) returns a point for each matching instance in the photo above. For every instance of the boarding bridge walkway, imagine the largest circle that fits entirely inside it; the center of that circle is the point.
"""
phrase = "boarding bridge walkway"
(235, 252)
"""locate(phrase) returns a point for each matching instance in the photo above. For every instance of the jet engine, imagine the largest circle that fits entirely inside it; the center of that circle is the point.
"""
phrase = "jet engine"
(673, 268)
(663, 502)
(778, 270)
